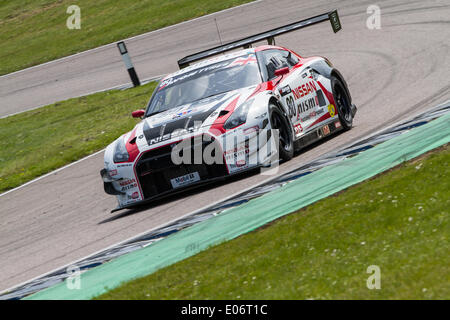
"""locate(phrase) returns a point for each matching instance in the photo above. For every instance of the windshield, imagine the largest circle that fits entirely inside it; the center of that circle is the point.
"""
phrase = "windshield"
(205, 82)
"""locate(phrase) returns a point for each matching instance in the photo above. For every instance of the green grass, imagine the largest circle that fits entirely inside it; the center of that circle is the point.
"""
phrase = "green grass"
(397, 221)
(34, 31)
(38, 141)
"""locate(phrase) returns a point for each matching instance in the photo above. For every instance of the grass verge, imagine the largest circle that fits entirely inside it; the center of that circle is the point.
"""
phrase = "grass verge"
(33, 32)
(35, 142)
(397, 221)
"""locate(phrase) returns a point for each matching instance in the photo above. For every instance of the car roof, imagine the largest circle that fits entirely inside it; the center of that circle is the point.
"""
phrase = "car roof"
(220, 58)
(210, 61)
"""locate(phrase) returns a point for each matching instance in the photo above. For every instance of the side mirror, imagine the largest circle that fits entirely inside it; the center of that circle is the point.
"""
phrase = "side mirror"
(282, 71)
(138, 113)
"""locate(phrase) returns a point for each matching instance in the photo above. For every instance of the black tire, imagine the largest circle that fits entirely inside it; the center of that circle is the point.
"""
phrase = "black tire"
(343, 103)
(278, 120)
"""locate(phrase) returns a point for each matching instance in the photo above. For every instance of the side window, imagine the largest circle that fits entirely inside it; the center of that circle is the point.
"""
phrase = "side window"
(291, 59)
(276, 59)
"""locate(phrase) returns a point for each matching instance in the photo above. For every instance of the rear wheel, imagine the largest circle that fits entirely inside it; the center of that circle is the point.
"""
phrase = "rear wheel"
(343, 103)
(279, 121)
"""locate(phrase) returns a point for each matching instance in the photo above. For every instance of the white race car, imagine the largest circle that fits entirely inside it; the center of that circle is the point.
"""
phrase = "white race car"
(205, 122)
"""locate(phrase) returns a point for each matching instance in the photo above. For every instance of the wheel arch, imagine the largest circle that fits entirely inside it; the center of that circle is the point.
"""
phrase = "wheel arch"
(276, 102)
(327, 70)
(335, 72)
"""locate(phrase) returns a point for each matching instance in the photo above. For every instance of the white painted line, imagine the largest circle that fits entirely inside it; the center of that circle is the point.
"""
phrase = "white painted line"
(50, 173)
(118, 87)
(131, 38)
(70, 164)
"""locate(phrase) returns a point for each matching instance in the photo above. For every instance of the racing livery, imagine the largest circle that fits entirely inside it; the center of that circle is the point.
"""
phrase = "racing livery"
(193, 127)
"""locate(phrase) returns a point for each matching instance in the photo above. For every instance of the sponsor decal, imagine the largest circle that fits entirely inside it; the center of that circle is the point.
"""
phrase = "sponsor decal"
(298, 128)
(185, 180)
(241, 61)
(128, 184)
(331, 110)
(312, 115)
(237, 152)
(307, 105)
(168, 136)
(160, 139)
(304, 90)
(112, 173)
(170, 81)
(326, 130)
(238, 157)
(124, 165)
(180, 114)
(337, 124)
(304, 119)
(131, 186)
(285, 90)
(134, 196)
(308, 117)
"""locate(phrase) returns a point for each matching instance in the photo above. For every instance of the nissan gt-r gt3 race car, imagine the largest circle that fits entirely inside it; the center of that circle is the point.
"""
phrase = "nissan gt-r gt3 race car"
(226, 115)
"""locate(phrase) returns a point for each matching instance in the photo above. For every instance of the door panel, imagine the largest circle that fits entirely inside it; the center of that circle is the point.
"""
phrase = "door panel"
(309, 100)
(301, 95)
(302, 100)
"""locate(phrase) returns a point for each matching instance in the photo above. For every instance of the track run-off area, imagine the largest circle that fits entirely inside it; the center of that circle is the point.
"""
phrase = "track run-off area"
(393, 73)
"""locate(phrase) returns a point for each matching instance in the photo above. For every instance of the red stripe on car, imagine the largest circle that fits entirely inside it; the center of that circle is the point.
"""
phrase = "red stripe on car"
(327, 93)
(322, 118)
(132, 148)
(217, 126)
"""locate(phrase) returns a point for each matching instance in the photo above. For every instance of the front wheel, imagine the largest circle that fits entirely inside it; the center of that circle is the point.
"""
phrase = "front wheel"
(279, 121)
(343, 104)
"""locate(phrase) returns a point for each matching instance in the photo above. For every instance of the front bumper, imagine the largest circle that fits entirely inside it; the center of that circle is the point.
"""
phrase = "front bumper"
(155, 170)
(154, 174)
(168, 193)
(108, 183)
(354, 109)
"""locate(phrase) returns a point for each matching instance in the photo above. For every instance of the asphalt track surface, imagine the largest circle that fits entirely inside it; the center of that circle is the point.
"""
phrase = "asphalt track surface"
(393, 73)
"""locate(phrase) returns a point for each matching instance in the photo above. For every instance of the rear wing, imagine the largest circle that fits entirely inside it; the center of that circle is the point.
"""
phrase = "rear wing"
(268, 35)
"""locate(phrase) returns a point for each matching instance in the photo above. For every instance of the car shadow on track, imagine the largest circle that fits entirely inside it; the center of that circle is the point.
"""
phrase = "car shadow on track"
(318, 143)
(181, 195)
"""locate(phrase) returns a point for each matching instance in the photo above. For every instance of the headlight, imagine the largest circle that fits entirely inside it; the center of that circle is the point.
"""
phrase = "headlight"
(239, 116)
(120, 151)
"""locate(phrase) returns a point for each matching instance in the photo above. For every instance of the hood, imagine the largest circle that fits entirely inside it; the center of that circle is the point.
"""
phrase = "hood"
(190, 117)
